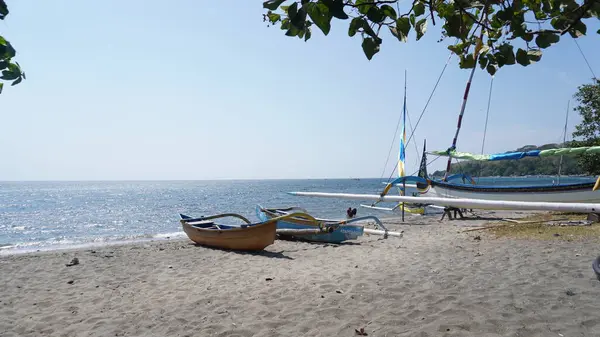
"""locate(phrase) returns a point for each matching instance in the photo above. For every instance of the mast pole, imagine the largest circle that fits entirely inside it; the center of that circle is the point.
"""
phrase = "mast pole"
(466, 95)
(460, 116)
(564, 140)
(404, 145)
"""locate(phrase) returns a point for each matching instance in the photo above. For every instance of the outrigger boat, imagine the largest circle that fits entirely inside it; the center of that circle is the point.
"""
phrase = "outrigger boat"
(295, 218)
(248, 236)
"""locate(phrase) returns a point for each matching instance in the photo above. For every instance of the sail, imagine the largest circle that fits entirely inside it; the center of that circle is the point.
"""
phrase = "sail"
(402, 148)
(565, 151)
(402, 152)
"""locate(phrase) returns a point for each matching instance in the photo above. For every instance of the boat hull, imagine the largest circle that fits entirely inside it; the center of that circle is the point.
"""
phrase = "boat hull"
(573, 193)
(338, 235)
(250, 238)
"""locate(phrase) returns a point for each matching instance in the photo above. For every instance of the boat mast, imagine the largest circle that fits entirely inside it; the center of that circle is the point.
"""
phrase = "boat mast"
(466, 95)
(460, 116)
(564, 140)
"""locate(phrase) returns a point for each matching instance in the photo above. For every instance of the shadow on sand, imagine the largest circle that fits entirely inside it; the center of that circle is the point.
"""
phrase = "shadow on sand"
(264, 253)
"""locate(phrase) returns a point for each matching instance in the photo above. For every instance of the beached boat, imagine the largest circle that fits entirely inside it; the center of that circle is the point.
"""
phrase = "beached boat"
(337, 231)
(572, 192)
(248, 236)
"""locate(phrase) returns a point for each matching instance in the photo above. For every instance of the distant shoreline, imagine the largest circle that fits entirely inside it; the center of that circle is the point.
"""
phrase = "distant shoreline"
(261, 179)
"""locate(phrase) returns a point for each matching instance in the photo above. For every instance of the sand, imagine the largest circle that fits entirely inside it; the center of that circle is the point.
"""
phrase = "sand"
(435, 281)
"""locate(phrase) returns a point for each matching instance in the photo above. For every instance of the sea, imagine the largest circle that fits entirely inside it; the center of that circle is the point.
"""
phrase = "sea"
(37, 216)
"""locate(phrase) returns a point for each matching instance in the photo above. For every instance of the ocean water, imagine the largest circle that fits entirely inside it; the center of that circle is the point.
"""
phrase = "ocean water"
(51, 215)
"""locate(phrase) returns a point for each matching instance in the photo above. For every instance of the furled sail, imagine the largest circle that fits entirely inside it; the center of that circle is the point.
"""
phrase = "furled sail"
(566, 151)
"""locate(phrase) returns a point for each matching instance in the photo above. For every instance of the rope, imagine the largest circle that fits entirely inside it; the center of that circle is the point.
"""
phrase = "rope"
(431, 95)
(487, 114)
(431, 162)
(391, 147)
(585, 58)
(414, 141)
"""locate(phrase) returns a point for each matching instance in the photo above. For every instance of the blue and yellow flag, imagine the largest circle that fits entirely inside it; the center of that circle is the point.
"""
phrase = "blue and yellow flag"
(402, 153)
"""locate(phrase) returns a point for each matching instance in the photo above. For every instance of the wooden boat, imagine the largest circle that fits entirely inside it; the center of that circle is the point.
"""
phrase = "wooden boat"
(248, 236)
(335, 231)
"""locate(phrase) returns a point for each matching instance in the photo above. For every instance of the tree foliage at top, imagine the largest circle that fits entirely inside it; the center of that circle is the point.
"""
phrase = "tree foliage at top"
(10, 71)
(493, 33)
(587, 132)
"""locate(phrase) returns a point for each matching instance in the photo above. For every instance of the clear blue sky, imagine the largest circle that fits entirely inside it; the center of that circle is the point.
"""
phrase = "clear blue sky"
(205, 90)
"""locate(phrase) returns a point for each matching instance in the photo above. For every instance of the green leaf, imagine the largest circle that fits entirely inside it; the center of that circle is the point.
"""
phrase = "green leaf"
(292, 11)
(401, 37)
(403, 25)
(421, 28)
(457, 48)
(8, 75)
(300, 19)
(412, 19)
(2, 41)
(17, 81)
(355, 24)
(3, 10)
(272, 4)
(491, 69)
(507, 51)
(454, 25)
(273, 17)
(579, 29)
(534, 55)
(402, 29)
(319, 13)
(1, 85)
(7, 51)
(598, 32)
(375, 14)
(545, 39)
(370, 47)
(364, 5)
(467, 61)
(293, 31)
(307, 35)
(336, 8)
(419, 9)
(483, 61)
(3, 65)
(389, 12)
(522, 57)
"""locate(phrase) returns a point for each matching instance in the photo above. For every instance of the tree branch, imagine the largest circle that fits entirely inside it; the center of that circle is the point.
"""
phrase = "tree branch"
(462, 10)
(371, 3)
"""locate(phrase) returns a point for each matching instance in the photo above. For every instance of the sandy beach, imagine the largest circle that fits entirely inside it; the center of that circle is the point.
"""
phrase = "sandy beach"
(438, 280)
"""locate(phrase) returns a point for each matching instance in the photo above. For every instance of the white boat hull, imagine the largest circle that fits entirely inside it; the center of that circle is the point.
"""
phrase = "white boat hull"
(574, 196)
(466, 203)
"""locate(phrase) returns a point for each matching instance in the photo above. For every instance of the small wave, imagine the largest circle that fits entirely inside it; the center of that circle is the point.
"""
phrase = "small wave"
(169, 235)
(61, 243)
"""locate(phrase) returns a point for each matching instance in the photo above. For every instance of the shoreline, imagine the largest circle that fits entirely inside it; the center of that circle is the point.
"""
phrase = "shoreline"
(10, 250)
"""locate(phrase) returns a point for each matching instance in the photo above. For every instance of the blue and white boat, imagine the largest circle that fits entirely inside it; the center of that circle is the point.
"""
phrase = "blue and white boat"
(339, 230)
